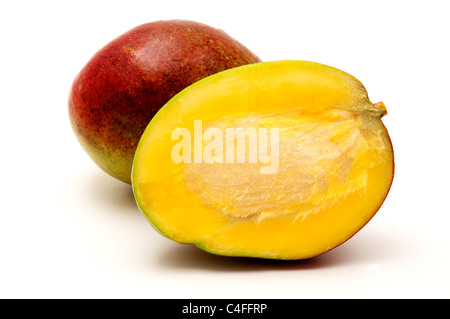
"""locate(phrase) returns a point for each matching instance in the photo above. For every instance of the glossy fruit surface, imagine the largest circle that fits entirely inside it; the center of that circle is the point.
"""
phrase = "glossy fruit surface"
(121, 88)
(279, 160)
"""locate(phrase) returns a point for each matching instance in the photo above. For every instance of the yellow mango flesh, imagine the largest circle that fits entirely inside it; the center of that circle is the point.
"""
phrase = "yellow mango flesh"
(333, 170)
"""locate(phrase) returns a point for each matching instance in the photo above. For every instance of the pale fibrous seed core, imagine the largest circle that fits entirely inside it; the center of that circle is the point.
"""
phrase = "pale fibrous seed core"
(318, 164)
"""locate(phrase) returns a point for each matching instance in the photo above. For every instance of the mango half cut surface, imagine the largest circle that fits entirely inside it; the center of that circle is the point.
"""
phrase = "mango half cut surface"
(278, 160)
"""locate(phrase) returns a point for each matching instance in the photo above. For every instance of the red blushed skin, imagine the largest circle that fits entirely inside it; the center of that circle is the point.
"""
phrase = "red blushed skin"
(122, 87)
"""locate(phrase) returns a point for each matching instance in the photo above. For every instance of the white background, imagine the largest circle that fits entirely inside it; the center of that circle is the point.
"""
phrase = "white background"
(68, 230)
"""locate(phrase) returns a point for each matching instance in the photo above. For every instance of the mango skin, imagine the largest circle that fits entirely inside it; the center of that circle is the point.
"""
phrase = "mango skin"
(121, 88)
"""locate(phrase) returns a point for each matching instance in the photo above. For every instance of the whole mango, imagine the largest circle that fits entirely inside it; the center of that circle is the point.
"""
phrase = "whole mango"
(124, 84)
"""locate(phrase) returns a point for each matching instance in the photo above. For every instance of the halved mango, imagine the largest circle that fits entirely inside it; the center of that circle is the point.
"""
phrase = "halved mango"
(280, 160)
